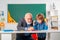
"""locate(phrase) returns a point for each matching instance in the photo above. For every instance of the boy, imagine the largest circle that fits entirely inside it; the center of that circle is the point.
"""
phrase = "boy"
(40, 24)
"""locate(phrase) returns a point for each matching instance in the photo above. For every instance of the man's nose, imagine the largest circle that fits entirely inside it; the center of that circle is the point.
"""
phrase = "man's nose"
(30, 20)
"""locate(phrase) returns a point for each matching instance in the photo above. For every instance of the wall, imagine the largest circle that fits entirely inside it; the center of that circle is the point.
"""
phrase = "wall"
(4, 3)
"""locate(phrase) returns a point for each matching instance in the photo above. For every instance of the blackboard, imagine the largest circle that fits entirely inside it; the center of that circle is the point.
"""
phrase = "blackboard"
(18, 11)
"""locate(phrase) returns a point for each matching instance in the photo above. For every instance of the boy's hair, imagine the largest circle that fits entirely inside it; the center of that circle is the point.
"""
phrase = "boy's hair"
(40, 17)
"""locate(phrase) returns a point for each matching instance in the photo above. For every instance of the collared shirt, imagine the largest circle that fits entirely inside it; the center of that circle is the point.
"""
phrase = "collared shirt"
(42, 26)
(26, 28)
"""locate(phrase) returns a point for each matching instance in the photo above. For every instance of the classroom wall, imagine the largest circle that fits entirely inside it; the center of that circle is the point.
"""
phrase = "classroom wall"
(4, 3)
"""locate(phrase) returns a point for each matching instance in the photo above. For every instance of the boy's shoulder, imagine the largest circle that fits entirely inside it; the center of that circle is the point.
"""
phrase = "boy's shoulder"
(35, 22)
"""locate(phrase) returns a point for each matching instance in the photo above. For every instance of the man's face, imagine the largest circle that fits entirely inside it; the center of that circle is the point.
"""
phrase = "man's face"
(28, 19)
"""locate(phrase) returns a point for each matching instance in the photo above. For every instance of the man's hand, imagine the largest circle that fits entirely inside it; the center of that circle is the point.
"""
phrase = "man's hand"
(30, 29)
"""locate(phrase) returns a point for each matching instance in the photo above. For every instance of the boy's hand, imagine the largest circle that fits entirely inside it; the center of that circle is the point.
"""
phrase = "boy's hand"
(30, 29)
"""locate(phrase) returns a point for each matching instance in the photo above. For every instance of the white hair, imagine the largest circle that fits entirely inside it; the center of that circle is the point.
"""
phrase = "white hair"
(28, 14)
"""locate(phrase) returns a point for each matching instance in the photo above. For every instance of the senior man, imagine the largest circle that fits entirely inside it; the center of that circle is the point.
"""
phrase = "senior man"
(25, 24)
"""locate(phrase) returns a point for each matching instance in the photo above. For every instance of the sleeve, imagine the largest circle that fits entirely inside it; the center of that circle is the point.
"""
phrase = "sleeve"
(45, 27)
(20, 26)
(35, 25)
(35, 28)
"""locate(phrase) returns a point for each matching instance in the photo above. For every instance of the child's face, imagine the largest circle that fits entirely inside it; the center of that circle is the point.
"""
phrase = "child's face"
(39, 21)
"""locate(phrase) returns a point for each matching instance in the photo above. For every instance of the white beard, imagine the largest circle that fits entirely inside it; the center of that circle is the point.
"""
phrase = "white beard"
(28, 23)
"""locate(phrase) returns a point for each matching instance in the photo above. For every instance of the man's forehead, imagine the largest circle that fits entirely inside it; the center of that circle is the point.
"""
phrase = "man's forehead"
(28, 15)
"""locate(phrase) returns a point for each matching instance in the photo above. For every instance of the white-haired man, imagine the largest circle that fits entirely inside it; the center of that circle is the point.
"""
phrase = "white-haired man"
(25, 24)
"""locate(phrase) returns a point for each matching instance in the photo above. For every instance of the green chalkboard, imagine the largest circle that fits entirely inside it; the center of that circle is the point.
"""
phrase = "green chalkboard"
(18, 11)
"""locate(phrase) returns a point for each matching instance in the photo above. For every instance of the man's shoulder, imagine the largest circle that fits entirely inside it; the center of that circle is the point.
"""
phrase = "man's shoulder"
(22, 19)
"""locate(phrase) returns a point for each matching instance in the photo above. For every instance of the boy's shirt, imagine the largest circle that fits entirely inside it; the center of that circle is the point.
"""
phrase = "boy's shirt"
(42, 26)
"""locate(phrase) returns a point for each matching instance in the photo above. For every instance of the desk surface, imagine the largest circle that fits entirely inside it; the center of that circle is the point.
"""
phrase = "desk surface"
(42, 31)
